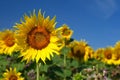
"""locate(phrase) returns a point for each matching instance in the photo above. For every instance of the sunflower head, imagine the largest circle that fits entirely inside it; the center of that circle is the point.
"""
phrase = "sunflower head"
(64, 32)
(117, 45)
(116, 55)
(7, 42)
(79, 50)
(37, 37)
(99, 54)
(89, 52)
(12, 74)
(108, 55)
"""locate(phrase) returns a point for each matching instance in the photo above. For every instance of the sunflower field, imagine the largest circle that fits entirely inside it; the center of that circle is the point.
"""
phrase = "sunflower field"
(35, 49)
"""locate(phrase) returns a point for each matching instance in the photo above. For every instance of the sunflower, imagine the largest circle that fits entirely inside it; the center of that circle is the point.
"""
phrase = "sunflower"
(116, 54)
(108, 55)
(64, 32)
(7, 42)
(12, 74)
(79, 50)
(89, 52)
(116, 57)
(37, 37)
(99, 54)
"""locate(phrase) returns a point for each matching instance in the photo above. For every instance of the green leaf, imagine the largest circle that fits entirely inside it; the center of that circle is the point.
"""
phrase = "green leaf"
(65, 50)
(67, 73)
(59, 74)
(44, 68)
(19, 66)
(74, 63)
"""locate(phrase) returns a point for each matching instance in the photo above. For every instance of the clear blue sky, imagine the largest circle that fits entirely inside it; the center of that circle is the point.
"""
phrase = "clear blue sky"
(96, 21)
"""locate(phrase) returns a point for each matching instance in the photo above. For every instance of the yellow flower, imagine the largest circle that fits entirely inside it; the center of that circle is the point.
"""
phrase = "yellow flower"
(116, 54)
(12, 75)
(117, 45)
(7, 42)
(64, 32)
(108, 55)
(37, 36)
(99, 54)
(116, 57)
(79, 50)
(89, 52)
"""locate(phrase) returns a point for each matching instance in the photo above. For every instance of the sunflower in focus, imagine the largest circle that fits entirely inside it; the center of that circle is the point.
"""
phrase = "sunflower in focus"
(64, 32)
(7, 42)
(80, 50)
(12, 74)
(108, 55)
(37, 37)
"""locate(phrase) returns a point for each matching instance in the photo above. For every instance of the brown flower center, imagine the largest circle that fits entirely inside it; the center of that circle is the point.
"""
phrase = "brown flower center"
(78, 52)
(66, 32)
(108, 54)
(117, 56)
(38, 38)
(13, 77)
(9, 40)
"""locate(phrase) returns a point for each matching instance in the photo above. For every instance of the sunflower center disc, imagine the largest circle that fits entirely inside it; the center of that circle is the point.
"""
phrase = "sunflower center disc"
(9, 40)
(79, 51)
(38, 38)
(66, 32)
(13, 77)
(108, 55)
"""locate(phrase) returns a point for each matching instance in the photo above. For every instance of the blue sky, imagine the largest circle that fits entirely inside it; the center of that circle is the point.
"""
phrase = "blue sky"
(96, 21)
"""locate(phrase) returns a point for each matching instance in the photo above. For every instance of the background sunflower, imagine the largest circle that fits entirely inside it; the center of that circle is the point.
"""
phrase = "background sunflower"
(12, 75)
(7, 42)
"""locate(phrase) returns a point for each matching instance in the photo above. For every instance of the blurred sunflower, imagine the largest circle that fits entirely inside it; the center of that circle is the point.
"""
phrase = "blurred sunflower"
(37, 36)
(89, 52)
(80, 50)
(12, 74)
(116, 54)
(64, 32)
(99, 54)
(108, 55)
(116, 57)
(7, 42)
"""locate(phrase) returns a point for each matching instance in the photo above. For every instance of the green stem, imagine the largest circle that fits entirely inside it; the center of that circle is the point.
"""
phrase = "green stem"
(38, 68)
(65, 66)
(64, 60)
